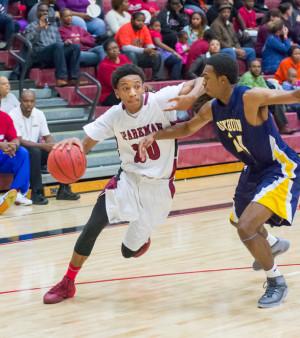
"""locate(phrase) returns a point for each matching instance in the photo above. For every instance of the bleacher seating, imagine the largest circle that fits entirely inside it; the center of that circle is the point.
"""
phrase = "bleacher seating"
(63, 106)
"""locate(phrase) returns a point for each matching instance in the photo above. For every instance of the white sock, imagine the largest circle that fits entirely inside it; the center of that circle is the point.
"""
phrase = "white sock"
(274, 272)
(271, 239)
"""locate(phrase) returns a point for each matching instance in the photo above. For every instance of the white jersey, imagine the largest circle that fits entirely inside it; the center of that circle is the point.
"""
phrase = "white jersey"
(129, 129)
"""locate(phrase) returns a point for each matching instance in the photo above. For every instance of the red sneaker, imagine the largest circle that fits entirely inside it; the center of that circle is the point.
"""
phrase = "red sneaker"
(143, 249)
(62, 290)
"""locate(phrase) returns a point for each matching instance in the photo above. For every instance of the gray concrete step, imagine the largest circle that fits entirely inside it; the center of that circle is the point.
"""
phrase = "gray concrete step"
(51, 102)
(64, 114)
(109, 144)
(103, 158)
(40, 93)
(5, 73)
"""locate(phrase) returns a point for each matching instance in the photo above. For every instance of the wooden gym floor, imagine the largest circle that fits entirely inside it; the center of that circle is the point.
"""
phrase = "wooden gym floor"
(195, 281)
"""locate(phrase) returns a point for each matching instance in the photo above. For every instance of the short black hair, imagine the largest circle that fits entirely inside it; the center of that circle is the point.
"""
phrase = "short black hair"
(107, 43)
(224, 65)
(128, 69)
(136, 15)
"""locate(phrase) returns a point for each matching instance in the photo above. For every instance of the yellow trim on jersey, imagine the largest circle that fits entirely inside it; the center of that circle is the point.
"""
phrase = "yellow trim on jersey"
(277, 196)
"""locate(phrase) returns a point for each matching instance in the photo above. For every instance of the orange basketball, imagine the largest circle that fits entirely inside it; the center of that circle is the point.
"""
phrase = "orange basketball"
(66, 166)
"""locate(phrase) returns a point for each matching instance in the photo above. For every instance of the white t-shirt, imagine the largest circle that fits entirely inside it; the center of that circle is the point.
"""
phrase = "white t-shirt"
(130, 129)
(32, 128)
(115, 20)
(8, 103)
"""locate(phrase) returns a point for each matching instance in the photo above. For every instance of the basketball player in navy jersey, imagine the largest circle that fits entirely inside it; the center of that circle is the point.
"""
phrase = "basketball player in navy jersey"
(129, 195)
(269, 186)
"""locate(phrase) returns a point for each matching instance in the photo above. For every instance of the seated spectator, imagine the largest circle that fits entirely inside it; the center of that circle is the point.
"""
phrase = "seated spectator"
(31, 127)
(49, 50)
(196, 28)
(143, 6)
(248, 14)
(172, 20)
(292, 61)
(264, 29)
(8, 101)
(182, 47)
(198, 65)
(199, 47)
(286, 10)
(171, 59)
(213, 13)
(109, 64)
(197, 6)
(117, 16)
(134, 39)
(223, 29)
(253, 78)
(292, 83)
(90, 54)
(7, 25)
(53, 14)
(14, 159)
(276, 47)
(95, 26)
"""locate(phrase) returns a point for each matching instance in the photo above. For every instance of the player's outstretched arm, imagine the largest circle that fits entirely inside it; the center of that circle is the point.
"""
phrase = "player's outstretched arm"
(256, 98)
(183, 129)
(189, 93)
(85, 145)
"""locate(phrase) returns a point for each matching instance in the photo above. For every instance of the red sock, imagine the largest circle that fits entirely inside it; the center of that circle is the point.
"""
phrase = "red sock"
(72, 271)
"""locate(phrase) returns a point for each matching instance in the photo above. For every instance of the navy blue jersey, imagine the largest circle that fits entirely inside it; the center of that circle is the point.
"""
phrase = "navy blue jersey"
(257, 146)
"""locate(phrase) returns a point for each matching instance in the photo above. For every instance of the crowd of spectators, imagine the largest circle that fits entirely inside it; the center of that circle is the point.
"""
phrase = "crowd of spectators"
(174, 38)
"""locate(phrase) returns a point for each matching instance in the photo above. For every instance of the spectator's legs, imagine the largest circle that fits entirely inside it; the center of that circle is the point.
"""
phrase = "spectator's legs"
(92, 57)
(230, 51)
(154, 62)
(170, 39)
(175, 65)
(96, 27)
(7, 27)
(54, 54)
(278, 112)
(72, 57)
(19, 167)
(37, 157)
(250, 54)
(132, 56)
(77, 21)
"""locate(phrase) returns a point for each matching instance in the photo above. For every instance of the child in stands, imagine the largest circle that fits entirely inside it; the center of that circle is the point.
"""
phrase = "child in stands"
(172, 60)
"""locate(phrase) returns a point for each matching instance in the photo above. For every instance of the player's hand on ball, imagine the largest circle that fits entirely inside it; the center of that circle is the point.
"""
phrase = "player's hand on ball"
(68, 144)
(144, 144)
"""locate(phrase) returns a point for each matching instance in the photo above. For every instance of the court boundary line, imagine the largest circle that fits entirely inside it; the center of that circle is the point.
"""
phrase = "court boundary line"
(21, 238)
(121, 279)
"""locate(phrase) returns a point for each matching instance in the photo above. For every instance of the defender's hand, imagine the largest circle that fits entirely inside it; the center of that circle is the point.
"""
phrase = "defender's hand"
(144, 144)
(182, 102)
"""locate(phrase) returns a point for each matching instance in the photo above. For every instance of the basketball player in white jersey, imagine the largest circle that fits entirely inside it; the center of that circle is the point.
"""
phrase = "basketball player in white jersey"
(142, 191)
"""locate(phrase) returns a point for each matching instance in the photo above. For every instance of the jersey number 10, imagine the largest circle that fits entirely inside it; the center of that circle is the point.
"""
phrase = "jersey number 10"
(152, 151)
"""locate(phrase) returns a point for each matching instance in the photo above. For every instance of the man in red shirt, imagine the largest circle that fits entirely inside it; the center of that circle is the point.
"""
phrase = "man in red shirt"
(14, 159)
(135, 41)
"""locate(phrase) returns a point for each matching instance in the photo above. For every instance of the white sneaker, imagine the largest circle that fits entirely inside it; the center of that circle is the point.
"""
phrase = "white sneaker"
(22, 200)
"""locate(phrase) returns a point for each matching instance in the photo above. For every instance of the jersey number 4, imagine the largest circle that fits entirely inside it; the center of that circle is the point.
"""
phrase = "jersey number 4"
(153, 152)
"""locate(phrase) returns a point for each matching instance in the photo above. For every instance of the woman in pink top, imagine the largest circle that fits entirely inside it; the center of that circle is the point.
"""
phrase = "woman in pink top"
(111, 62)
